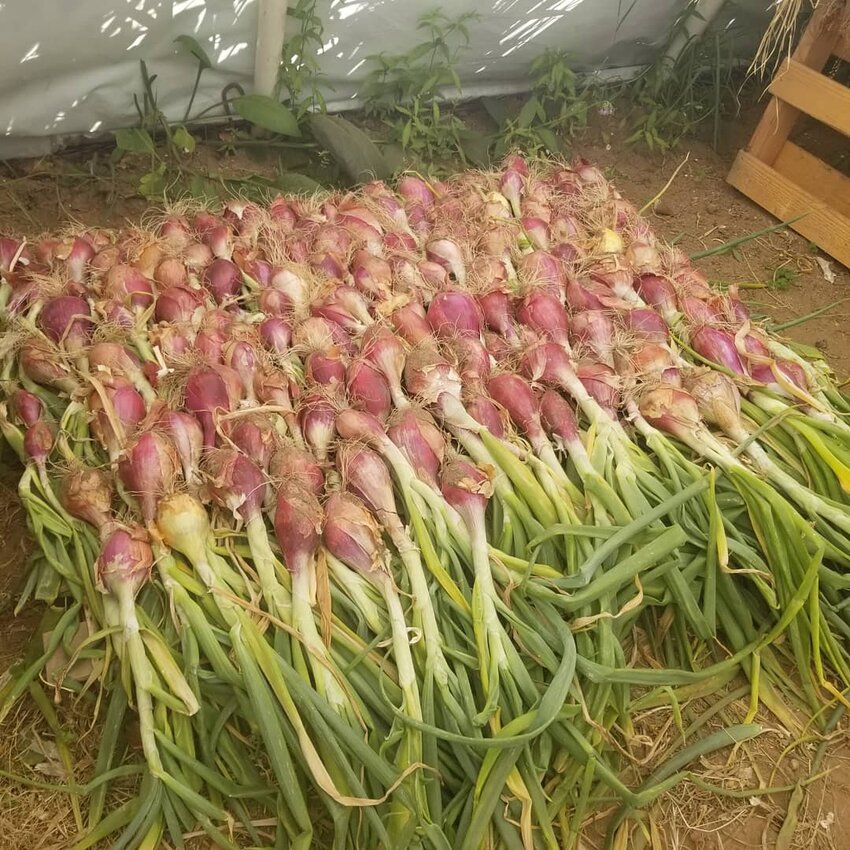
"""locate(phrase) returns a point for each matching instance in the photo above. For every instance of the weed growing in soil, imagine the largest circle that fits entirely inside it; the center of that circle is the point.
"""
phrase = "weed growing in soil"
(407, 91)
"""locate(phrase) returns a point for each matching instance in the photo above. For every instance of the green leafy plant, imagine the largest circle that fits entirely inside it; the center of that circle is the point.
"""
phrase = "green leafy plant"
(406, 90)
(555, 110)
(677, 93)
(300, 71)
(782, 277)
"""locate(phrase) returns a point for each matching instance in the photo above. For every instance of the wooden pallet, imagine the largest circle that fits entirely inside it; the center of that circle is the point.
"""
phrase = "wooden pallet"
(782, 177)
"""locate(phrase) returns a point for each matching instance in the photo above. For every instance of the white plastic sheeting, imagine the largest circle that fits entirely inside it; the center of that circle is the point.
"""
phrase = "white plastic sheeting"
(71, 67)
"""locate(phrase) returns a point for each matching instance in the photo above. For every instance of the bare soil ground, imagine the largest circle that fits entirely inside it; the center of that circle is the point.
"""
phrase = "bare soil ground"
(780, 277)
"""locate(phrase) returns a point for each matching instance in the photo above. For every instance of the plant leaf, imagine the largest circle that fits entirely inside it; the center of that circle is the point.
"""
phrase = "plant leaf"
(475, 147)
(134, 140)
(528, 113)
(267, 113)
(496, 109)
(193, 47)
(183, 140)
(297, 184)
(357, 155)
(549, 139)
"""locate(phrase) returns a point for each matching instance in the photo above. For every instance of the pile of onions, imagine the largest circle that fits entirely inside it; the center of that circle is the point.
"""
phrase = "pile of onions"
(384, 502)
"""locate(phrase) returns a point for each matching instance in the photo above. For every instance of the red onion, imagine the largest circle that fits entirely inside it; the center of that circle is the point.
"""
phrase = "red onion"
(328, 265)
(316, 418)
(542, 311)
(66, 319)
(517, 398)
(297, 526)
(176, 304)
(410, 323)
(537, 231)
(602, 384)
(197, 256)
(235, 482)
(415, 190)
(559, 418)
(511, 185)
(447, 253)
(171, 272)
(483, 410)
(241, 356)
(77, 254)
(275, 334)
(453, 312)
(717, 399)
(658, 292)
(206, 396)
(372, 275)
(210, 346)
(290, 463)
(541, 269)
(148, 470)
(368, 388)
(318, 334)
(13, 254)
(273, 302)
(366, 475)
(38, 442)
(125, 561)
(26, 407)
(467, 489)
(385, 351)
(351, 533)
(223, 280)
(44, 367)
(116, 314)
(123, 407)
(421, 442)
(188, 439)
(650, 361)
(673, 411)
(718, 346)
(346, 307)
(86, 494)
(323, 367)
(594, 329)
(699, 312)
(645, 323)
(293, 286)
(497, 308)
(255, 437)
(175, 231)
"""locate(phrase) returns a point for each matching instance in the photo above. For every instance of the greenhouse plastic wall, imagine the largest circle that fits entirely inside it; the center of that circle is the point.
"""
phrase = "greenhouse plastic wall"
(71, 68)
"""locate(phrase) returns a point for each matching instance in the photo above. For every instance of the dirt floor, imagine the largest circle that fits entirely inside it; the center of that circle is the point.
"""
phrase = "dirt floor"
(781, 276)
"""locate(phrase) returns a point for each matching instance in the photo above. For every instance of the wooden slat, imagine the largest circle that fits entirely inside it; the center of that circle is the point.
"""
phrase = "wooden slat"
(811, 92)
(816, 177)
(828, 229)
(814, 49)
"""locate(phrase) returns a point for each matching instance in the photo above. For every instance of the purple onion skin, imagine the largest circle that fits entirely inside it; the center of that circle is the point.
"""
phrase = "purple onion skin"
(67, 319)
(558, 417)
(206, 395)
(368, 388)
(38, 442)
(148, 470)
(297, 526)
(27, 407)
(125, 561)
(350, 532)
(718, 346)
(482, 410)
(453, 312)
